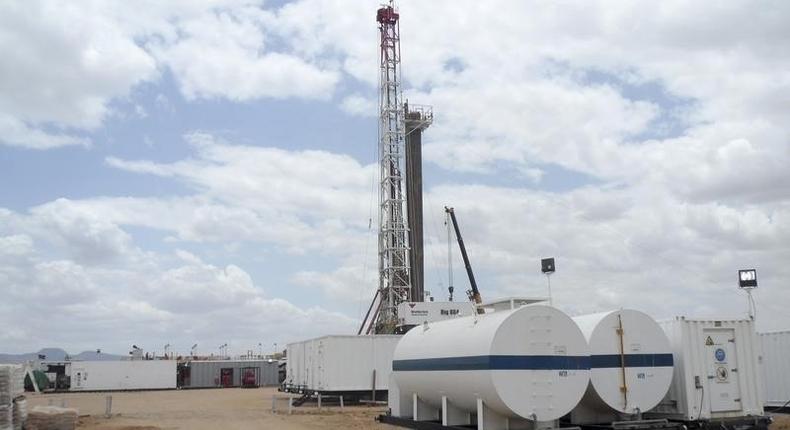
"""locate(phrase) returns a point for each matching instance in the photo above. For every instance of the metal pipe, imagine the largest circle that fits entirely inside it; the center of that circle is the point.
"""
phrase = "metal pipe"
(414, 125)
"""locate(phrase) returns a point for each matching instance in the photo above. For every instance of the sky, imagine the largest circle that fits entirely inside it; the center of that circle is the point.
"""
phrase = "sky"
(205, 172)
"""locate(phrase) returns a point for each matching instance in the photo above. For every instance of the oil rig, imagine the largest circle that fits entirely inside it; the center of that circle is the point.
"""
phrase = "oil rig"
(400, 233)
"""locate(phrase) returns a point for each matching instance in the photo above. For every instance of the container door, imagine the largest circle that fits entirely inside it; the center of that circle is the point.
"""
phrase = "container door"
(308, 369)
(249, 377)
(725, 393)
(321, 365)
(226, 377)
(78, 378)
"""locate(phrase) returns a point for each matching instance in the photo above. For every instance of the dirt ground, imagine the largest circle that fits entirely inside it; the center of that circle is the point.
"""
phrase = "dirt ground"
(781, 422)
(226, 409)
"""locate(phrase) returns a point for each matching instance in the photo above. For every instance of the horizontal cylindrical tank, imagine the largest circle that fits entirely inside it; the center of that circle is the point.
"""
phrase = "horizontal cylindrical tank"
(529, 363)
(631, 363)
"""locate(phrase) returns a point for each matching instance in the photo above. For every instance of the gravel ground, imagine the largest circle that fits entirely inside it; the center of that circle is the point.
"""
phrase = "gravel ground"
(781, 422)
(230, 409)
(227, 409)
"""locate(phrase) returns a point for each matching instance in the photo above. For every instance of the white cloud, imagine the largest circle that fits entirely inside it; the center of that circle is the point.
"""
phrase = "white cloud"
(65, 63)
(14, 132)
(554, 84)
(615, 244)
(149, 300)
(201, 287)
(223, 54)
(556, 121)
(61, 65)
(356, 104)
(614, 248)
(354, 282)
(16, 245)
(82, 234)
(299, 199)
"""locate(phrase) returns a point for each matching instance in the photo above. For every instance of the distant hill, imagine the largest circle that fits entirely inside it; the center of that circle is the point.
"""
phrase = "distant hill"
(58, 354)
(93, 356)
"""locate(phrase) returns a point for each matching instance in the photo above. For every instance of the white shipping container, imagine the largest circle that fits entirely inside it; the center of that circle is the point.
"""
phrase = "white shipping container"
(717, 375)
(776, 367)
(123, 375)
(341, 363)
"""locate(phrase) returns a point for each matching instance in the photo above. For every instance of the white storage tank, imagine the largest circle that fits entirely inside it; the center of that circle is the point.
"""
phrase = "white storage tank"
(776, 368)
(717, 376)
(630, 365)
(497, 370)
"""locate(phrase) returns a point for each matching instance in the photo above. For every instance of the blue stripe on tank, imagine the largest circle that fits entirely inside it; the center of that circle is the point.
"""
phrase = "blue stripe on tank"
(495, 362)
(531, 362)
(631, 360)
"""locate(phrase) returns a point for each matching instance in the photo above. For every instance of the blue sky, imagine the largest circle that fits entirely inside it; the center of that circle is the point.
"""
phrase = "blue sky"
(205, 172)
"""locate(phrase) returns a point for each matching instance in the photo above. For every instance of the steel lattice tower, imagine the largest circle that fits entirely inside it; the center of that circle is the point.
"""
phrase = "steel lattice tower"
(394, 276)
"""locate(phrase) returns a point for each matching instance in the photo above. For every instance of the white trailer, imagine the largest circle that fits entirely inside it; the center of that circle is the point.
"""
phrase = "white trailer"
(122, 375)
(717, 376)
(776, 368)
(340, 364)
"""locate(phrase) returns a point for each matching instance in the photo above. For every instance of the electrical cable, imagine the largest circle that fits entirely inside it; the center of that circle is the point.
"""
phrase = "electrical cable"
(436, 262)
(783, 406)
(373, 195)
(701, 401)
(367, 247)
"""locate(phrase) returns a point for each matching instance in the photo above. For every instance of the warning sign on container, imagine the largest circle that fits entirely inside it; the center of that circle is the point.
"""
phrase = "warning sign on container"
(709, 341)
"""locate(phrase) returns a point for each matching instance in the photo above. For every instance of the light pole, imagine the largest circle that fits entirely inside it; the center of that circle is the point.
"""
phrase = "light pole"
(547, 267)
(747, 281)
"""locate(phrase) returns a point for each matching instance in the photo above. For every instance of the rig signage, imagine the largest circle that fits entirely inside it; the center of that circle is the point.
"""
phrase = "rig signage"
(416, 313)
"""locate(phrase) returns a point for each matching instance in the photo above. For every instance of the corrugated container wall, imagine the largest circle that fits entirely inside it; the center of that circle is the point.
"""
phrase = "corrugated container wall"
(717, 375)
(230, 373)
(341, 363)
(776, 367)
(123, 375)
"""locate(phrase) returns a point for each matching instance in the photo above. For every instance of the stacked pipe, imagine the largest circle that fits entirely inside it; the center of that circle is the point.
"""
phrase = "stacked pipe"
(11, 392)
(529, 367)
(19, 414)
(52, 418)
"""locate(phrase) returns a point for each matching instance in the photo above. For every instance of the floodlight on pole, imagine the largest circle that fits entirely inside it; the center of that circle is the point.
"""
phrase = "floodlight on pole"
(547, 267)
(747, 281)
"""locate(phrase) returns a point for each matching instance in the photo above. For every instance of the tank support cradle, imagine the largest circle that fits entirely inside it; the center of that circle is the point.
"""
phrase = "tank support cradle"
(423, 416)
(652, 424)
